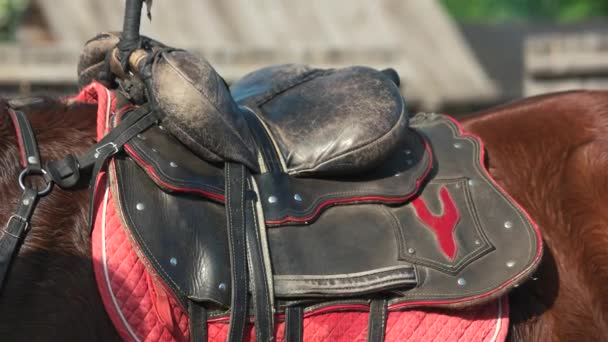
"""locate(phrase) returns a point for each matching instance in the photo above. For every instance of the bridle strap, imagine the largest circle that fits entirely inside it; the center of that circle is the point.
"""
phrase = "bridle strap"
(18, 225)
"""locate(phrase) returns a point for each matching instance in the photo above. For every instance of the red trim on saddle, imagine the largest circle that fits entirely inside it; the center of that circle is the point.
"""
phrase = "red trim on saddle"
(443, 225)
(290, 219)
(363, 199)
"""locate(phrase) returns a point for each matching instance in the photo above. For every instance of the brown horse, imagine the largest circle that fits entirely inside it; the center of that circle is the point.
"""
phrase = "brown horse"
(550, 153)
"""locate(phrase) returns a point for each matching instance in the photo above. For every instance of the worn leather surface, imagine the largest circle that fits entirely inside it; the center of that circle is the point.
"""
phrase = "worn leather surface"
(352, 249)
(326, 122)
(199, 109)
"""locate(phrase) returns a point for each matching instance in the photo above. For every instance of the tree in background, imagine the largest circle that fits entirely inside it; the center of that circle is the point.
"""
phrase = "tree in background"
(525, 10)
(11, 12)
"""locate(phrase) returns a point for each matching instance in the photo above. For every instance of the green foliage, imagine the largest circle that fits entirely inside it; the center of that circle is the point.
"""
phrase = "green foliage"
(521, 10)
(10, 15)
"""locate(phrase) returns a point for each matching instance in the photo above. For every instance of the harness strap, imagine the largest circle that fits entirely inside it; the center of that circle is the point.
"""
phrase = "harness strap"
(377, 320)
(261, 295)
(30, 157)
(294, 321)
(15, 230)
(66, 172)
(235, 217)
(197, 314)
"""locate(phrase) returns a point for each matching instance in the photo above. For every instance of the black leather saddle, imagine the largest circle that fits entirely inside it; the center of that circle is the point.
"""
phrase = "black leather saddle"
(302, 188)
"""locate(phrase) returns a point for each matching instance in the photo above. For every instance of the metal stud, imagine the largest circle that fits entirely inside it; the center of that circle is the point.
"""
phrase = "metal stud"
(397, 174)
(140, 206)
(510, 263)
(32, 160)
(297, 197)
(457, 145)
(462, 281)
(477, 242)
(272, 199)
(141, 137)
(161, 127)
(534, 278)
(26, 202)
(471, 182)
(508, 224)
(411, 250)
(516, 285)
(457, 185)
(96, 155)
(173, 261)
(408, 152)
(154, 150)
(222, 287)
(172, 164)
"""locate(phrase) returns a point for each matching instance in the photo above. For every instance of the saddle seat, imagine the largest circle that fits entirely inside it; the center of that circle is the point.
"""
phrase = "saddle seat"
(325, 122)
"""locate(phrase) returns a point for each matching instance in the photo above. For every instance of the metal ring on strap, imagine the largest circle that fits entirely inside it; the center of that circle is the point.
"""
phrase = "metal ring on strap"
(27, 172)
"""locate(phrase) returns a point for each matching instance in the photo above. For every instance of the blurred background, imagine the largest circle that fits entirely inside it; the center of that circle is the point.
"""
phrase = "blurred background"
(452, 55)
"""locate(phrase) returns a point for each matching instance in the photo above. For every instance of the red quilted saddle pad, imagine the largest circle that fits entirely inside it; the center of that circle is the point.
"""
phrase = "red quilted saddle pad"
(143, 310)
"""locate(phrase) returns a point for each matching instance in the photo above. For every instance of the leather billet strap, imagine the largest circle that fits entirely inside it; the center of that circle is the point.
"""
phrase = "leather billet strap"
(246, 258)
(376, 326)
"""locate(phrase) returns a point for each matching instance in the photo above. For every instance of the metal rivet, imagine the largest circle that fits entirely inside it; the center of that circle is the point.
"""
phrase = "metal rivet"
(477, 242)
(140, 206)
(471, 182)
(408, 152)
(508, 224)
(96, 155)
(457, 145)
(411, 250)
(297, 197)
(222, 287)
(154, 150)
(516, 285)
(397, 174)
(32, 160)
(26, 202)
(272, 199)
(173, 164)
(510, 263)
(141, 137)
(173, 261)
(457, 185)
(161, 127)
(534, 278)
(462, 282)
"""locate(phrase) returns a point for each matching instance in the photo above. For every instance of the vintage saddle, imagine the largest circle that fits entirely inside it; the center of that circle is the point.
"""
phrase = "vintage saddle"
(299, 189)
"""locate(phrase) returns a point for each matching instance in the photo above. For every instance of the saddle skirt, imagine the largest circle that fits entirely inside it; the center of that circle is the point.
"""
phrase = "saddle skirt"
(403, 214)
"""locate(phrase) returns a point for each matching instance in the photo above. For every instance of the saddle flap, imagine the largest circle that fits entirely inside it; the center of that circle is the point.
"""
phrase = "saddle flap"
(326, 122)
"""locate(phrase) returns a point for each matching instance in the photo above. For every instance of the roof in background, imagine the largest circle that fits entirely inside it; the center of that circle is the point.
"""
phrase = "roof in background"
(417, 38)
(500, 48)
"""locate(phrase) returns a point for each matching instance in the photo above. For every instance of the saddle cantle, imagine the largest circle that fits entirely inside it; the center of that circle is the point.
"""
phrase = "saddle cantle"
(306, 189)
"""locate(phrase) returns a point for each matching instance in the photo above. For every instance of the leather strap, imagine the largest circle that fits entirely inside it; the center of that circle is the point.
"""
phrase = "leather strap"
(377, 320)
(66, 172)
(16, 228)
(294, 319)
(235, 217)
(197, 314)
(30, 157)
(262, 298)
